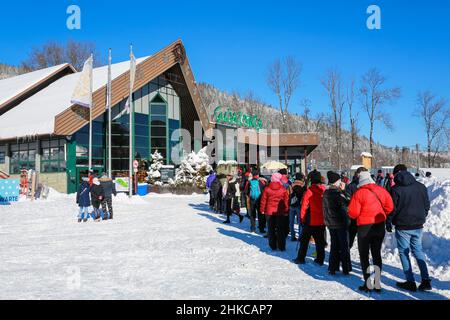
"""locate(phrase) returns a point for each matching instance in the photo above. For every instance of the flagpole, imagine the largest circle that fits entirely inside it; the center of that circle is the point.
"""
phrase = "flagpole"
(109, 114)
(90, 119)
(130, 167)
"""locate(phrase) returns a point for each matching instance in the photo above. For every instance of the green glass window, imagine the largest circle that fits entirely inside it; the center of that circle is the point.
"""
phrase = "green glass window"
(98, 144)
(53, 157)
(158, 117)
(23, 156)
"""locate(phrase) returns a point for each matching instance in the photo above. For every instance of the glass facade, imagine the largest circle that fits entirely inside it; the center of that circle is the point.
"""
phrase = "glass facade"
(23, 156)
(98, 144)
(156, 117)
(158, 125)
(53, 155)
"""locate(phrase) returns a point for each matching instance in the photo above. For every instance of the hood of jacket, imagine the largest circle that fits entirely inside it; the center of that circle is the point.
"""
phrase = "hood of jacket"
(404, 178)
(275, 185)
(317, 188)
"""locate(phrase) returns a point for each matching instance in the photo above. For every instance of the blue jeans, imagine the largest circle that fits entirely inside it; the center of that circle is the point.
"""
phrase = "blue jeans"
(294, 212)
(411, 240)
(84, 213)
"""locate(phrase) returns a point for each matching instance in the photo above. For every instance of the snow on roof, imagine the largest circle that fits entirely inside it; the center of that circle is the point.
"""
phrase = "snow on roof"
(356, 166)
(36, 115)
(11, 87)
(366, 154)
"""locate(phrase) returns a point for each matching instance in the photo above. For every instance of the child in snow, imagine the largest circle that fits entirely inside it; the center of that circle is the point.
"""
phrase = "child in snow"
(83, 200)
(97, 196)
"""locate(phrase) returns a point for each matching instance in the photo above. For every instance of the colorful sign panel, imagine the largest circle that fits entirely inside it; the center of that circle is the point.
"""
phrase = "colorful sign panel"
(238, 119)
(122, 184)
(9, 191)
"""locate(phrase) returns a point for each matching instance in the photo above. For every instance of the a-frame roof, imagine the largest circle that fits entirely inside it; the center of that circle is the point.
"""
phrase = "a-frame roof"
(74, 117)
(49, 111)
(16, 89)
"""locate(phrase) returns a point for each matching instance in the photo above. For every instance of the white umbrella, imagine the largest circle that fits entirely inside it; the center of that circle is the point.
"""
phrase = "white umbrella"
(274, 165)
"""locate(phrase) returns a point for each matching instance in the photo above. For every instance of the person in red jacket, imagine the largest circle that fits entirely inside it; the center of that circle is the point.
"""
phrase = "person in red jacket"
(312, 220)
(370, 206)
(274, 205)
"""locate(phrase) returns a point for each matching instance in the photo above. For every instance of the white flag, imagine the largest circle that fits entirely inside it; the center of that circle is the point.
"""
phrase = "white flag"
(132, 77)
(82, 95)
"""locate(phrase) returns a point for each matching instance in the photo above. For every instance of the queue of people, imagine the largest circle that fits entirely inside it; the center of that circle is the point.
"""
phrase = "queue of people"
(362, 209)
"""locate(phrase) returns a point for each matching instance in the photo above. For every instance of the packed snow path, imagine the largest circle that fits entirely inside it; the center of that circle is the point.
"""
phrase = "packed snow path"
(162, 247)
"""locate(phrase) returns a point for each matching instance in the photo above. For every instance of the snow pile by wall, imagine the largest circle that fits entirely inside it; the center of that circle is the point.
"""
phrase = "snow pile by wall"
(436, 236)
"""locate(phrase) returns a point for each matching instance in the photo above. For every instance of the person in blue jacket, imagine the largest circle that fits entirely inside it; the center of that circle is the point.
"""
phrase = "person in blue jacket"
(83, 200)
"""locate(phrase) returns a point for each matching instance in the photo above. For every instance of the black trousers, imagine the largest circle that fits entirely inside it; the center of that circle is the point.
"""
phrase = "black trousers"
(107, 206)
(339, 251)
(218, 203)
(254, 212)
(318, 234)
(352, 232)
(276, 233)
(211, 199)
(370, 239)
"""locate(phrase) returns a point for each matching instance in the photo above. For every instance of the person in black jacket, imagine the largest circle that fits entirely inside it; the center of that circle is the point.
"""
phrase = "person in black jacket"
(335, 203)
(230, 200)
(97, 196)
(350, 189)
(216, 192)
(297, 189)
(411, 204)
(109, 189)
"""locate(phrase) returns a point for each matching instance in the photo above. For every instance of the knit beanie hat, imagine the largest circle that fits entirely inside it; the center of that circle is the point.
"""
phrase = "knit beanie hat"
(315, 177)
(365, 178)
(276, 177)
(333, 177)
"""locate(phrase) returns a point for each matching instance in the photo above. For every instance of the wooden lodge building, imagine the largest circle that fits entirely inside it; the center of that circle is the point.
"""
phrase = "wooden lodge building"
(40, 129)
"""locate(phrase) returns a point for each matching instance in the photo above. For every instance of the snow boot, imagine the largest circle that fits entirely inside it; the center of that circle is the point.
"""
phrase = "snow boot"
(299, 261)
(364, 288)
(79, 220)
(319, 263)
(85, 220)
(407, 285)
(227, 221)
(425, 285)
(332, 272)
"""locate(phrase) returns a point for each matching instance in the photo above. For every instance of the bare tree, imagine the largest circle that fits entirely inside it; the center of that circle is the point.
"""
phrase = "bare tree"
(283, 78)
(354, 129)
(435, 116)
(54, 53)
(332, 83)
(374, 97)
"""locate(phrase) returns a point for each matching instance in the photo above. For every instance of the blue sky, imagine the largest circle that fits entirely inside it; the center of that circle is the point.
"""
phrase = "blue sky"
(231, 43)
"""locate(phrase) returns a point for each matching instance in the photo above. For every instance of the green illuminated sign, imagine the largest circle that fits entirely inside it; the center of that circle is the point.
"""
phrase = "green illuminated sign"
(238, 119)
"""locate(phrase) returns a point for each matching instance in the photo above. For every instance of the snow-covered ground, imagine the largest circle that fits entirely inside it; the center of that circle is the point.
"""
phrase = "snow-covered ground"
(172, 247)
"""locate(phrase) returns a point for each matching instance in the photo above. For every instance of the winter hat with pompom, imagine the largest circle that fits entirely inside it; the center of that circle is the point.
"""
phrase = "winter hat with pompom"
(276, 177)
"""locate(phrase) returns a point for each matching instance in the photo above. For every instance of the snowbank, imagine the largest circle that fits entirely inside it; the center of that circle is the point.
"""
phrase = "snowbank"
(436, 238)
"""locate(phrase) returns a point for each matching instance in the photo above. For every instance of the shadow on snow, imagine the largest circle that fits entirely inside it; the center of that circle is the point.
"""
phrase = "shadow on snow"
(353, 281)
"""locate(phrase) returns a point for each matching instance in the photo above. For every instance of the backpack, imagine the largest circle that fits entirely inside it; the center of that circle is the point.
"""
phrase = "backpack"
(255, 190)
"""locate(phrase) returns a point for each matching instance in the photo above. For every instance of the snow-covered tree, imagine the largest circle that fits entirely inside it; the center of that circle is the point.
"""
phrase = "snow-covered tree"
(193, 170)
(154, 174)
